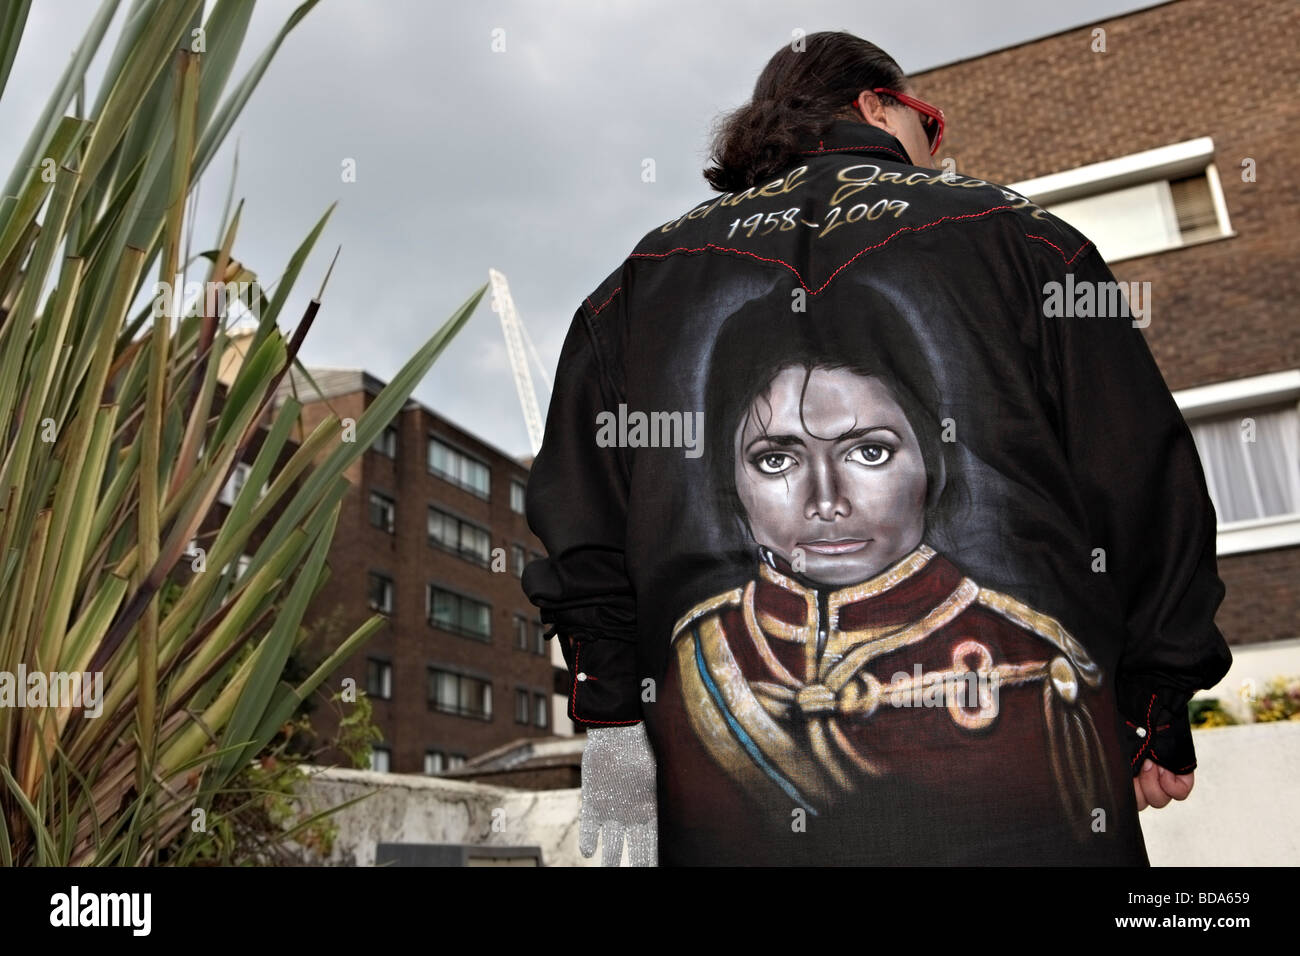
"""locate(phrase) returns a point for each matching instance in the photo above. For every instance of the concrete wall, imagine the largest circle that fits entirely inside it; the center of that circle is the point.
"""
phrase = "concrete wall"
(1240, 813)
(406, 808)
(1242, 809)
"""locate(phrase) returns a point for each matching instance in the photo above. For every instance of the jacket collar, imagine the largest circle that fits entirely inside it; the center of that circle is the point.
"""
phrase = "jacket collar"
(915, 579)
(856, 138)
(784, 605)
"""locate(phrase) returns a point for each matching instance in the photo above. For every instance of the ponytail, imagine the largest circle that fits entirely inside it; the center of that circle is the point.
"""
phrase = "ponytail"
(797, 97)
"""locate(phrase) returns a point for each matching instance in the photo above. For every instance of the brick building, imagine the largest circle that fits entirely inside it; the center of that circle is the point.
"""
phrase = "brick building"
(1164, 135)
(432, 535)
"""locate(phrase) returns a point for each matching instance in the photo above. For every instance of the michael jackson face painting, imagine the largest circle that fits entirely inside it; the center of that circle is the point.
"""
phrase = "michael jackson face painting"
(858, 662)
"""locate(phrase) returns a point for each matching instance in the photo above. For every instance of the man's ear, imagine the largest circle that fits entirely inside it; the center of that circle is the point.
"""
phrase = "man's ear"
(869, 108)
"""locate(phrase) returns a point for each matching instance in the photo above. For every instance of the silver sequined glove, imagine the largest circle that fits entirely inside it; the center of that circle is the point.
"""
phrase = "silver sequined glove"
(618, 796)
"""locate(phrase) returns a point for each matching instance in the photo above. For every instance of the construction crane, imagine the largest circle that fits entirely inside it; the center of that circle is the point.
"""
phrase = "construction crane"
(517, 340)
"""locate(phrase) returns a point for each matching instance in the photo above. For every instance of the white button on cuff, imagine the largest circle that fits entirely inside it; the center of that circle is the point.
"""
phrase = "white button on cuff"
(1141, 731)
(582, 676)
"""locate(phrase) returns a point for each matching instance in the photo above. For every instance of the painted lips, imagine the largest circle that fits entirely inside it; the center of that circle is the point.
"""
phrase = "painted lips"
(838, 546)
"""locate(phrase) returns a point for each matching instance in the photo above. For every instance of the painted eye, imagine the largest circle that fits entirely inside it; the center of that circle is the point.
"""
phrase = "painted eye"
(872, 454)
(773, 463)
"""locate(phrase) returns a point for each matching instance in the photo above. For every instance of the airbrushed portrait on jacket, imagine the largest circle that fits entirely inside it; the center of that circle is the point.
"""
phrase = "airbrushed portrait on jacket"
(857, 656)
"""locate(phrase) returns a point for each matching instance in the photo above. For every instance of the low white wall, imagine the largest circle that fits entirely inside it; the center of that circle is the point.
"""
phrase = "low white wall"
(1241, 812)
(409, 808)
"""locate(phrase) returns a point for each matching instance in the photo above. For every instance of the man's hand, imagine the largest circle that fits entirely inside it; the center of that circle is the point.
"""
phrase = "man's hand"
(1155, 786)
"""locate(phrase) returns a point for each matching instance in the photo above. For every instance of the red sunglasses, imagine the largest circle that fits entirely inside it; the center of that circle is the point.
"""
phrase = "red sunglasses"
(931, 116)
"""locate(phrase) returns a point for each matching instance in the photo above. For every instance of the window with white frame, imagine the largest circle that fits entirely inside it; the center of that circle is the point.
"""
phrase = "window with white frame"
(454, 693)
(1247, 433)
(381, 759)
(1252, 461)
(541, 710)
(521, 706)
(379, 678)
(467, 540)
(1139, 204)
(455, 612)
(459, 468)
(235, 483)
(435, 762)
(517, 489)
(386, 442)
(241, 565)
(381, 593)
(383, 512)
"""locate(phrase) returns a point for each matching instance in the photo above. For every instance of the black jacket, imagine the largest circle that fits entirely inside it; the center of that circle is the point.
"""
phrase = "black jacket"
(1037, 456)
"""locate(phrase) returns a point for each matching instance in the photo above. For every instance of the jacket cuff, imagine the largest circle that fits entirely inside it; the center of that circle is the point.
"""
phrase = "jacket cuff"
(1155, 725)
(604, 688)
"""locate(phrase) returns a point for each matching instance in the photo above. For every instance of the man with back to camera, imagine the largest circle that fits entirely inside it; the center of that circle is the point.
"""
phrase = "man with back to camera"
(943, 578)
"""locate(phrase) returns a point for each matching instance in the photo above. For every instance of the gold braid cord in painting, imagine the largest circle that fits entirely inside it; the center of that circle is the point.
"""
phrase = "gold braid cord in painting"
(789, 733)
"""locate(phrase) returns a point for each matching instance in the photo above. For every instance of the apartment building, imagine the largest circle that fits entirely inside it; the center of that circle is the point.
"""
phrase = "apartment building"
(432, 536)
(1164, 135)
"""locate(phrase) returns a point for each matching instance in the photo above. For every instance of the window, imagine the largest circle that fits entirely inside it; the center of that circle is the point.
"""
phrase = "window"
(521, 707)
(520, 559)
(459, 694)
(1252, 462)
(386, 442)
(241, 565)
(235, 483)
(517, 489)
(459, 468)
(462, 615)
(521, 632)
(383, 511)
(475, 543)
(1247, 433)
(539, 637)
(381, 592)
(541, 710)
(455, 760)
(379, 678)
(1140, 204)
(381, 759)
(435, 762)
(460, 537)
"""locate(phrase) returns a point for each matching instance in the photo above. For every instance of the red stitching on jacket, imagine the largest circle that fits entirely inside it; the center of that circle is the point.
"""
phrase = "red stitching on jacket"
(605, 303)
(831, 278)
(577, 650)
(1157, 760)
(1058, 248)
(840, 149)
(1146, 742)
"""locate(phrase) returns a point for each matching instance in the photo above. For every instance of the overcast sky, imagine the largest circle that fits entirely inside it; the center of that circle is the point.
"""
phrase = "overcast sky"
(527, 160)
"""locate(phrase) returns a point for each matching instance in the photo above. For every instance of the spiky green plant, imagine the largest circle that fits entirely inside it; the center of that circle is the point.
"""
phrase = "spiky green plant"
(118, 440)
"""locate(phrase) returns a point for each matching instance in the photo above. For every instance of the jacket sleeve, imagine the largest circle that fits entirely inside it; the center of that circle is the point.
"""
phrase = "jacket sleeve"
(1143, 488)
(576, 503)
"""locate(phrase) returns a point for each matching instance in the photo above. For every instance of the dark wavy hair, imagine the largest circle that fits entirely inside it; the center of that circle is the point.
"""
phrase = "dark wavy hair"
(851, 327)
(797, 97)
